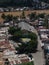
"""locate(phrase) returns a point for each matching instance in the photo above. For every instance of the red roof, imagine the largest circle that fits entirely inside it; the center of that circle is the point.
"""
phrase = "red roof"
(6, 45)
(24, 60)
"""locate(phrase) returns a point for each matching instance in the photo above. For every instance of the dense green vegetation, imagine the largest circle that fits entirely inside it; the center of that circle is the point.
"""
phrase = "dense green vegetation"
(27, 47)
(9, 18)
(32, 15)
(42, 15)
(27, 63)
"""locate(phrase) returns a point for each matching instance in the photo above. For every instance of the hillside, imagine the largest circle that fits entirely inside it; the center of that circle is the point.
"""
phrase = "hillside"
(15, 3)
(21, 3)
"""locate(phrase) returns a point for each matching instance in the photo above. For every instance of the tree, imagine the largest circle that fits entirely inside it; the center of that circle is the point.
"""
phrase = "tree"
(30, 46)
(6, 62)
(9, 17)
(12, 30)
(23, 14)
(3, 16)
(30, 55)
(42, 15)
(32, 36)
(27, 47)
(28, 63)
(46, 22)
(32, 15)
(15, 20)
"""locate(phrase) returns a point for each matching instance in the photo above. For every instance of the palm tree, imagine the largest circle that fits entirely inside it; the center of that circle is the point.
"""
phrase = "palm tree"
(23, 14)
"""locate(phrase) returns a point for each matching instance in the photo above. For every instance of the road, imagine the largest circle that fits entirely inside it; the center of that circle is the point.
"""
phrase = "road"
(39, 55)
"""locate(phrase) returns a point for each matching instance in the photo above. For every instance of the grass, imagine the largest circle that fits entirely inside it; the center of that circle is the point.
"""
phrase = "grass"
(25, 39)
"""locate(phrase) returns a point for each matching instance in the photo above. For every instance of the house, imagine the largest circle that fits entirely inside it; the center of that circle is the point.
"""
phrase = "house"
(18, 59)
(6, 24)
(1, 10)
(40, 21)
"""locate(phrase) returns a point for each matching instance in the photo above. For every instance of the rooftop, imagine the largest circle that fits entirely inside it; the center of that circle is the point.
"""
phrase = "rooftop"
(26, 26)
